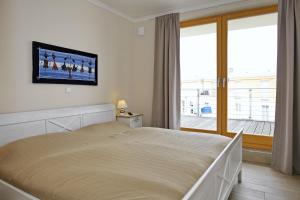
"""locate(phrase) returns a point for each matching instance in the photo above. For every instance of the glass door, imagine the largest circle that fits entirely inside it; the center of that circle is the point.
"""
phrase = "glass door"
(251, 74)
(228, 72)
(198, 55)
(252, 57)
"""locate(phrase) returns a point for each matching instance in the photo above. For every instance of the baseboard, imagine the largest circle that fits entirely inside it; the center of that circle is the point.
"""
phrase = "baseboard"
(256, 156)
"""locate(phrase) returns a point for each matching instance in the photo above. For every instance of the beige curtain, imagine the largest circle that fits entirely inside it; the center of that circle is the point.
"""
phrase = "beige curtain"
(166, 93)
(286, 144)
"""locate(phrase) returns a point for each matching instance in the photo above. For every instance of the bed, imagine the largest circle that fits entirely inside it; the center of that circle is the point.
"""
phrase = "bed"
(104, 159)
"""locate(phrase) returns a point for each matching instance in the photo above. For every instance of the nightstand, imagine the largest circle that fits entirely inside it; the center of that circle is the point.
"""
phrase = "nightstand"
(133, 121)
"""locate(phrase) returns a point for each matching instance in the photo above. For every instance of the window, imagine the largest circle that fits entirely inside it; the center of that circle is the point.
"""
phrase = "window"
(252, 57)
(228, 71)
(198, 51)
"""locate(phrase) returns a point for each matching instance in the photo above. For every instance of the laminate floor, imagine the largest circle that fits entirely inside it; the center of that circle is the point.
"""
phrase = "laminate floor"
(260, 182)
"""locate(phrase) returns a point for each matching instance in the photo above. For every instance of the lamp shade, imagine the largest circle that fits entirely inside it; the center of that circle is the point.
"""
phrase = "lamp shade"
(122, 104)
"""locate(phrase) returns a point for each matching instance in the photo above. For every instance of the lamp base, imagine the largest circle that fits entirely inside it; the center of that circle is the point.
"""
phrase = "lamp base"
(122, 111)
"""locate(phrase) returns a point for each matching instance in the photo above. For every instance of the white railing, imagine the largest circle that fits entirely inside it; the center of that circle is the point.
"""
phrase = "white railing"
(243, 103)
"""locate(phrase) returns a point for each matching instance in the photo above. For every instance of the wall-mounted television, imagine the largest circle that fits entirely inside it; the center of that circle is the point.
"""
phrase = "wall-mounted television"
(59, 65)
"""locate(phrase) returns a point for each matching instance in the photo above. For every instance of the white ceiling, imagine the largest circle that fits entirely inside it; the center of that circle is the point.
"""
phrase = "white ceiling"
(138, 10)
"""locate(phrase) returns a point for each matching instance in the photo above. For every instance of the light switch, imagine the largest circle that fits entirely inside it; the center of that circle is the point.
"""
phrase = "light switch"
(141, 31)
(68, 90)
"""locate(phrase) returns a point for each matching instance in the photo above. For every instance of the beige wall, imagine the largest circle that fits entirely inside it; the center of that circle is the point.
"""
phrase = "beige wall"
(75, 24)
(141, 72)
(142, 86)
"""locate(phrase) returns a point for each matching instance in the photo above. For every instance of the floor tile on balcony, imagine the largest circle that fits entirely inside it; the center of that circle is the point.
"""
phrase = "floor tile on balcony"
(234, 125)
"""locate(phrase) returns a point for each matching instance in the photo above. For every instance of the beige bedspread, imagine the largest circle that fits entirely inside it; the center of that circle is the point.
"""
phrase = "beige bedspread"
(109, 161)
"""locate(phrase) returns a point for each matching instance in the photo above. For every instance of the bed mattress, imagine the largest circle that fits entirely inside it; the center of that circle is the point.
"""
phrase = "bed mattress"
(109, 161)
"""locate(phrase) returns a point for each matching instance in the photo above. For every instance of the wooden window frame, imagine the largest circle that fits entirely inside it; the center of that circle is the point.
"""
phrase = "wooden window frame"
(249, 140)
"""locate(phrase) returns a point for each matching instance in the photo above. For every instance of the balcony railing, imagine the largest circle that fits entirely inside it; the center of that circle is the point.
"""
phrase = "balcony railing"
(243, 103)
(250, 108)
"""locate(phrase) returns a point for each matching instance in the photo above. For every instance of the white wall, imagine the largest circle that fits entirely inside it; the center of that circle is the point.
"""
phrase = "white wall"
(142, 86)
(75, 24)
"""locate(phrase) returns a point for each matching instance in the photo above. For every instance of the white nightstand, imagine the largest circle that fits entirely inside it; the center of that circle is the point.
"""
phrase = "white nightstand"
(133, 121)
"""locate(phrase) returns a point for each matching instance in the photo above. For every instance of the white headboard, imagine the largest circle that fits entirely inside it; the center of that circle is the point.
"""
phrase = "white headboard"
(15, 126)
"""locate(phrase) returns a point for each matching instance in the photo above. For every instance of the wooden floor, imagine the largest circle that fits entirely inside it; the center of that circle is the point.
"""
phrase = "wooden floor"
(234, 125)
(262, 183)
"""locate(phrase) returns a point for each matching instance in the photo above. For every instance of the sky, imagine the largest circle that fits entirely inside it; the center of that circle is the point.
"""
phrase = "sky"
(251, 52)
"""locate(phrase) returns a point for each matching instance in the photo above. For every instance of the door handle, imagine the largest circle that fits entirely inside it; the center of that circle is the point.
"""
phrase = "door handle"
(224, 82)
(221, 82)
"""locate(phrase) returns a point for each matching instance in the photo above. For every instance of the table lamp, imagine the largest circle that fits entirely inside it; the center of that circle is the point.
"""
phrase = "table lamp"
(122, 105)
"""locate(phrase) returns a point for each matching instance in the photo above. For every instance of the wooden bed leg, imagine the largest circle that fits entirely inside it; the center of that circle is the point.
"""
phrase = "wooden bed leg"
(240, 177)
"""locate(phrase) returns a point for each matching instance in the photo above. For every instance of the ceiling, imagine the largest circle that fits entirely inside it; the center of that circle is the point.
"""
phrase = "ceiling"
(138, 10)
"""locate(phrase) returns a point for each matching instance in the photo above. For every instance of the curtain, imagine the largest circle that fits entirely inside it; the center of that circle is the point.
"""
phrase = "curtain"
(286, 143)
(166, 92)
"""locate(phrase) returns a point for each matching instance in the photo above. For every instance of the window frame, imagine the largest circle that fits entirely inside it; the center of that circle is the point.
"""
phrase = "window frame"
(249, 140)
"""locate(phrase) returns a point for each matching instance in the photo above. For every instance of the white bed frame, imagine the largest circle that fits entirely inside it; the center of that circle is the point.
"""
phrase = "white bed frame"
(215, 184)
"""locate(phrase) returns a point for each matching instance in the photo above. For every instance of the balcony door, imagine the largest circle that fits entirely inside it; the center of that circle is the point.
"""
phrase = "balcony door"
(228, 71)
(198, 49)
